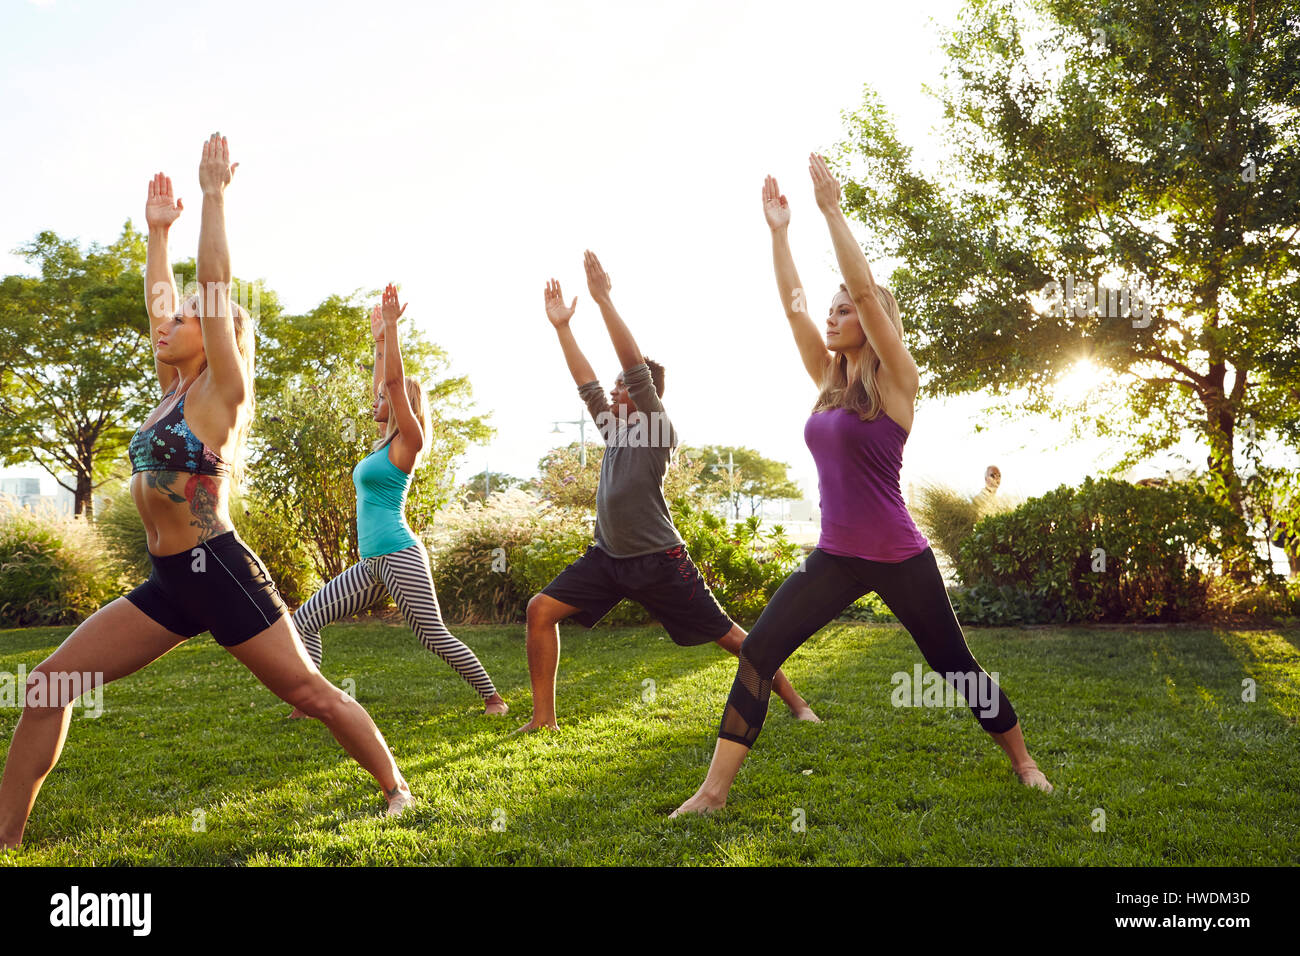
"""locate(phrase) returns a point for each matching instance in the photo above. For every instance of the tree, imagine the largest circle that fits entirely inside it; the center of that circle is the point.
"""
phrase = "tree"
(76, 368)
(563, 483)
(478, 487)
(736, 473)
(1135, 144)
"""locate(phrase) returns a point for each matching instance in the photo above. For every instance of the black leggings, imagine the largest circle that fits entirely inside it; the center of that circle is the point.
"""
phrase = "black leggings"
(812, 596)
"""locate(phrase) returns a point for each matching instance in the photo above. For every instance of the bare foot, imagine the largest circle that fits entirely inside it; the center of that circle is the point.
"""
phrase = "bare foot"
(1031, 776)
(495, 705)
(533, 725)
(10, 843)
(299, 715)
(805, 713)
(701, 803)
(399, 799)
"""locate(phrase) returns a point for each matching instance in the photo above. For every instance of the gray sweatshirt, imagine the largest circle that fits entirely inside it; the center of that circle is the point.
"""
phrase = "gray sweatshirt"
(631, 514)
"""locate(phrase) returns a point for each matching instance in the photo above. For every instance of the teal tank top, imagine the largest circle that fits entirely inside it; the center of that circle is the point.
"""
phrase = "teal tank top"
(381, 506)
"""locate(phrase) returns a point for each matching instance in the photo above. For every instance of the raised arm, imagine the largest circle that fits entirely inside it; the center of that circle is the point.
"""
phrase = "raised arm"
(812, 347)
(377, 332)
(399, 404)
(560, 314)
(225, 365)
(620, 335)
(161, 209)
(880, 332)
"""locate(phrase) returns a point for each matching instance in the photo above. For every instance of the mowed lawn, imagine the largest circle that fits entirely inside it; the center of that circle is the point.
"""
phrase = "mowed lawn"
(194, 763)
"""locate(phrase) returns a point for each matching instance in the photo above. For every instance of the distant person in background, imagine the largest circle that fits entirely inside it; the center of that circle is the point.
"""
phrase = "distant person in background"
(992, 479)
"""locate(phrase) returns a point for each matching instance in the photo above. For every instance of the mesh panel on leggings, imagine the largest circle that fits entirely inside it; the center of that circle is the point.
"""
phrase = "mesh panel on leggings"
(746, 705)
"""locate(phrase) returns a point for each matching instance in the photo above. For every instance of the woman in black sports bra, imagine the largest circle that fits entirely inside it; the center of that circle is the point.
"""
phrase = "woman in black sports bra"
(204, 577)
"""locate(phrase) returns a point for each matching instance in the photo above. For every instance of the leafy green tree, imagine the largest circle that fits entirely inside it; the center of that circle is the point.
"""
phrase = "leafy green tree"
(308, 440)
(742, 474)
(76, 369)
(1137, 143)
(563, 483)
(478, 487)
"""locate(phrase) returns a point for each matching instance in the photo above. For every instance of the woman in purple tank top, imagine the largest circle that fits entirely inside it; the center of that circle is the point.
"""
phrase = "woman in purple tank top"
(868, 384)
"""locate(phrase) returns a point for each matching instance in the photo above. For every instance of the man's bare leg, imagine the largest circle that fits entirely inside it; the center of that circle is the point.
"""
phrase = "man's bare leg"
(544, 617)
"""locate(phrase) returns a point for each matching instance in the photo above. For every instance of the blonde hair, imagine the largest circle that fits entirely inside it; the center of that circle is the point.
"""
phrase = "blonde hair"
(419, 407)
(862, 395)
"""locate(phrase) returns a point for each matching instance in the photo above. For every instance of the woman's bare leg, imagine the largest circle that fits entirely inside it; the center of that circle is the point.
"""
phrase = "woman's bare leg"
(712, 795)
(279, 660)
(1012, 743)
(116, 640)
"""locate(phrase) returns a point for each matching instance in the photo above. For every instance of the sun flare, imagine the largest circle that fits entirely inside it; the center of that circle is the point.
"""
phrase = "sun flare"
(1082, 382)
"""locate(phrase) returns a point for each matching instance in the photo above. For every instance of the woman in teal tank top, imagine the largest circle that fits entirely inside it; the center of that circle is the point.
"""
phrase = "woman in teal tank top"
(392, 557)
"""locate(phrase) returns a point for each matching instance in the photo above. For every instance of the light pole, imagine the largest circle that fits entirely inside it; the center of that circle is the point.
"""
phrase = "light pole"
(581, 422)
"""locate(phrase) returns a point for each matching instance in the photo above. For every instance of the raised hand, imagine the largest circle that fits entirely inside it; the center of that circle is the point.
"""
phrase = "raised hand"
(825, 186)
(389, 308)
(161, 209)
(215, 169)
(775, 208)
(377, 324)
(598, 283)
(555, 308)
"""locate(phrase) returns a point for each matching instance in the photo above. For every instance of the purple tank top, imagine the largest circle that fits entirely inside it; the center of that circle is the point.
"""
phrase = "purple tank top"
(858, 463)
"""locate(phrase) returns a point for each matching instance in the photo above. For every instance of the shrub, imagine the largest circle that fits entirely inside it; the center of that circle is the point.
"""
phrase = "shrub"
(1229, 600)
(1035, 564)
(479, 560)
(53, 569)
(947, 517)
(122, 533)
(869, 607)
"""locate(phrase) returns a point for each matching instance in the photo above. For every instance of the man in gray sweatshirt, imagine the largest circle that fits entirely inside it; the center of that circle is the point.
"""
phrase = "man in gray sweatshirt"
(638, 553)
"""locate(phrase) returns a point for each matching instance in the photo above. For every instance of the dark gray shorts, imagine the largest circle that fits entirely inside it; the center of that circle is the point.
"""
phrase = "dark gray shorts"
(665, 583)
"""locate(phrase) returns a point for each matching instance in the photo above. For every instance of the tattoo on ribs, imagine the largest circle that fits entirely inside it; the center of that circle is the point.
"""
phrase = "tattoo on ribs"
(202, 492)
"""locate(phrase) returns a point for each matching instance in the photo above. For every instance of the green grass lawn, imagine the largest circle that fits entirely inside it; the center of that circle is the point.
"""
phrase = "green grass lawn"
(1147, 725)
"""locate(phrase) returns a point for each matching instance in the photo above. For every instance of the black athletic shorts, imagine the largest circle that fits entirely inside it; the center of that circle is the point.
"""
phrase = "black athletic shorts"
(218, 586)
(665, 583)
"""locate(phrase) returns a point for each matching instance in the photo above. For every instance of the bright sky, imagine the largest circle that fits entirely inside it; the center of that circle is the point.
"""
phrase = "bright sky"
(472, 151)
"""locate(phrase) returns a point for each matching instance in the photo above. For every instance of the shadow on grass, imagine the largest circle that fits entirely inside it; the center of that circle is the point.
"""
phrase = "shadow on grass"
(1147, 726)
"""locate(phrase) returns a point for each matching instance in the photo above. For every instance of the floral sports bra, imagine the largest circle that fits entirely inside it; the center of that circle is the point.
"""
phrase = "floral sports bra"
(169, 445)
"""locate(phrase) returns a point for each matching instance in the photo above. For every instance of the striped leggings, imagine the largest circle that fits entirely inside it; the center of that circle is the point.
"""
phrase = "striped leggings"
(408, 579)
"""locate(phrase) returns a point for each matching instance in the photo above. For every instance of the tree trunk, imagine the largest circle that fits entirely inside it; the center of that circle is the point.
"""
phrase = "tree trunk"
(1225, 484)
(84, 497)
